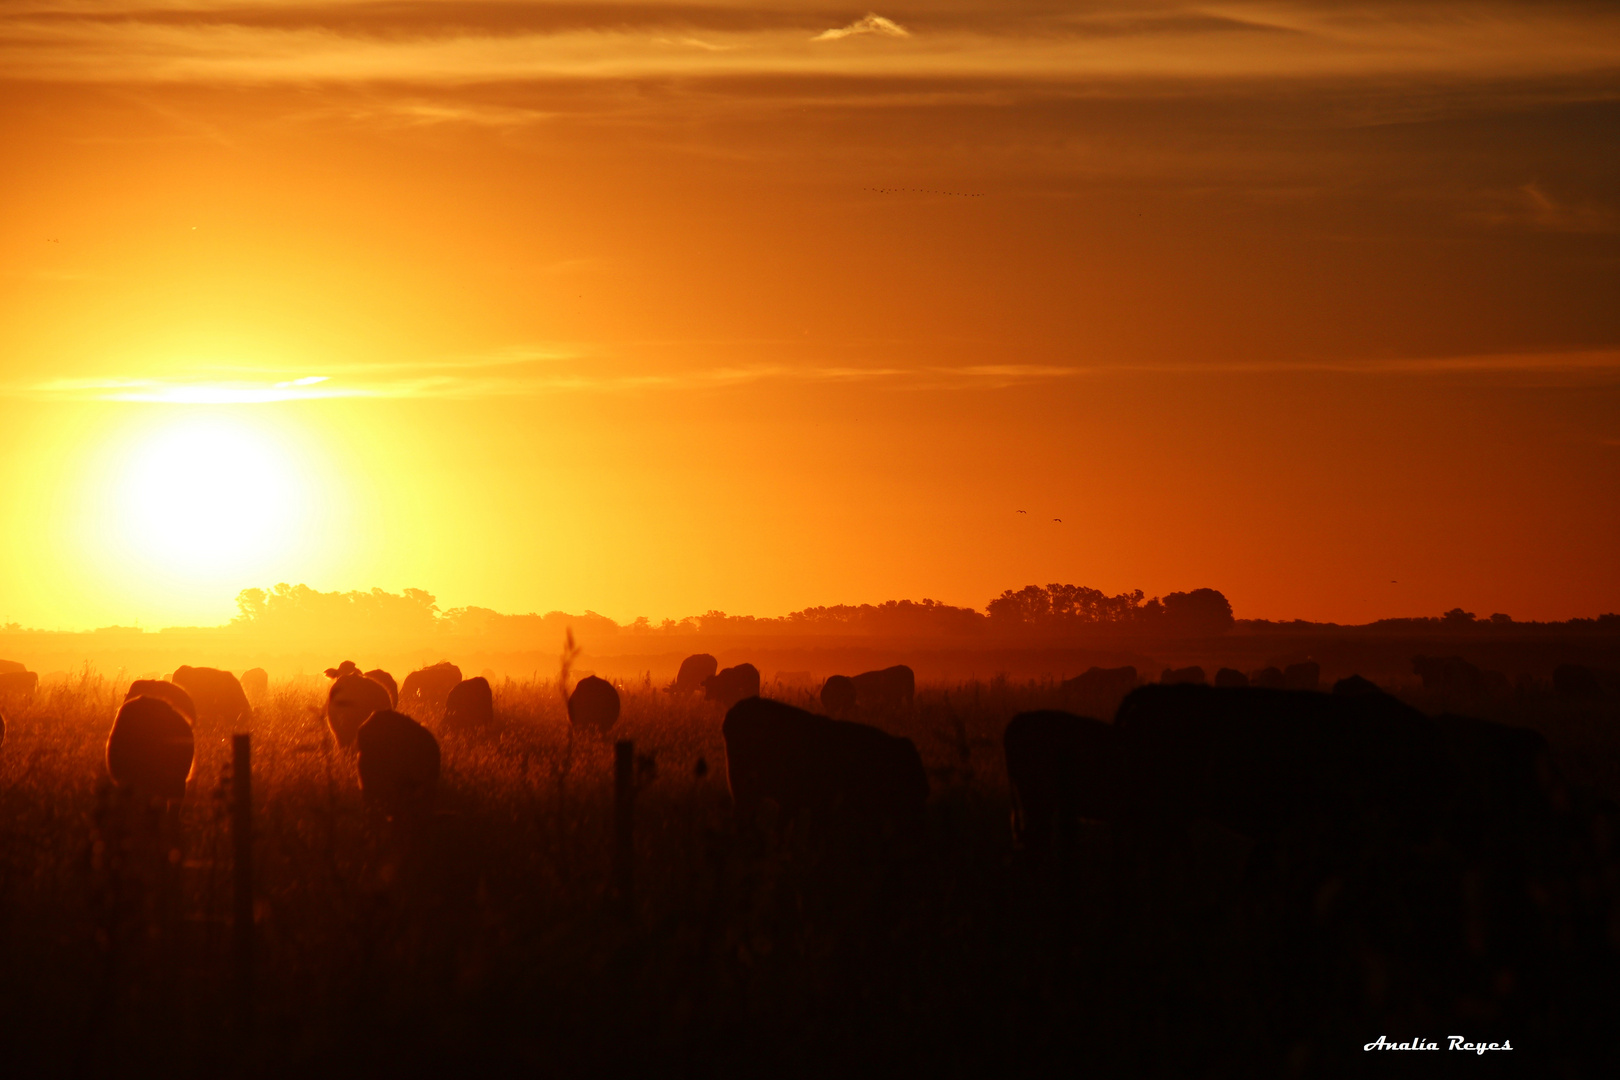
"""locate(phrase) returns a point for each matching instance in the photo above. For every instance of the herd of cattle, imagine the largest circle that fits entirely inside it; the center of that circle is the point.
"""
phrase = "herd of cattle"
(1266, 756)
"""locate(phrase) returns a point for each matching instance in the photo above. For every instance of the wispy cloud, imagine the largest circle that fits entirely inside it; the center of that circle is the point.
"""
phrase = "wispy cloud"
(1531, 206)
(525, 372)
(867, 24)
(437, 42)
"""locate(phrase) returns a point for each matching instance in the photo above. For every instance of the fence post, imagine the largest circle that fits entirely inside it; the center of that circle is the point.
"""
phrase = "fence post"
(624, 798)
(242, 906)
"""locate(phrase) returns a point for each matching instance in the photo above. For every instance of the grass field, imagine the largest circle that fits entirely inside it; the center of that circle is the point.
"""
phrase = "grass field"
(485, 937)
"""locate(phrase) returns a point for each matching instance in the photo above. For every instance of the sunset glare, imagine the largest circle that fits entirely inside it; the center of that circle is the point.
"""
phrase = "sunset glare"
(658, 309)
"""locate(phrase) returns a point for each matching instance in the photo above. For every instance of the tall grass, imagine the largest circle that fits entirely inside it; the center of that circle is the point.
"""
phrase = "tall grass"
(483, 940)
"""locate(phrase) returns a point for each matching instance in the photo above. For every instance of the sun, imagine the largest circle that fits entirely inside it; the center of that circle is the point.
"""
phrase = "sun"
(208, 495)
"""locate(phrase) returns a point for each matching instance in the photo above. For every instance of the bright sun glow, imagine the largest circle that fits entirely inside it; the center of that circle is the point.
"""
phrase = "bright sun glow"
(209, 495)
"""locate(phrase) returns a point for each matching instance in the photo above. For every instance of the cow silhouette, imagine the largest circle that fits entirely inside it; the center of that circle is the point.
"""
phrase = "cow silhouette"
(1058, 766)
(1230, 677)
(398, 762)
(1179, 676)
(471, 706)
(732, 684)
(166, 691)
(696, 670)
(1098, 690)
(376, 675)
(426, 690)
(151, 750)
(18, 685)
(351, 699)
(1509, 777)
(255, 684)
(803, 762)
(218, 696)
(12, 667)
(838, 695)
(890, 688)
(594, 705)
(386, 681)
(1272, 763)
(1306, 675)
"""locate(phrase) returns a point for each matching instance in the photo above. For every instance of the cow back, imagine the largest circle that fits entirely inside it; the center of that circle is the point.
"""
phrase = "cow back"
(471, 705)
(398, 762)
(218, 696)
(695, 671)
(1264, 762)
(151, 749)
(804, 762)
(176, 696)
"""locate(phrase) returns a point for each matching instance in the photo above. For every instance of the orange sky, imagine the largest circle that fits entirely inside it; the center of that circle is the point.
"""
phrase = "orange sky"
(656, 308)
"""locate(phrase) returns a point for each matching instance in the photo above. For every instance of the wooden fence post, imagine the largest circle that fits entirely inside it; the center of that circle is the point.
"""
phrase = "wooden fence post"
(624, 798)
(242, 908)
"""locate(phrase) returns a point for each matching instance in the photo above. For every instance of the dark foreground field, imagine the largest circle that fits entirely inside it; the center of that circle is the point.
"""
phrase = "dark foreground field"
(486, 938)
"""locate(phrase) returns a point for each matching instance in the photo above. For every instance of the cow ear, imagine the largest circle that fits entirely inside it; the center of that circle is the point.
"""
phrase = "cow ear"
(331, 672)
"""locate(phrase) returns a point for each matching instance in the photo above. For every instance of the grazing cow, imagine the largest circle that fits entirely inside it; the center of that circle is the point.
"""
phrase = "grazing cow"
(471, 706)
(1179, 676)
(399, 762)
(1268, 763)
(1306, 675)
(1098, 691)
(386, 681)
(376, 675)
(1509, 778)
(255, 684)
(696, 671)
(1229, 678)
(218, 696)
(351, 700)
(19, 685)
(893, 687)
(1058, 766)
(427, 689)
(166, 691)
(804, 762)
(838, 695)
(150, 749)
(594, 705)
(732, 684)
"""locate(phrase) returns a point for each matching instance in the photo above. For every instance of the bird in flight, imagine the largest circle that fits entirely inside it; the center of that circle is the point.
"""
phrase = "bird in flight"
(1023, 511)
(1058, 520)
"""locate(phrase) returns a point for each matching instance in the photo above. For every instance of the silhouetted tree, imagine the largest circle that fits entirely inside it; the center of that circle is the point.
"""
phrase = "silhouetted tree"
(1202, 611)
(1458, 617)
(1059, 607)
